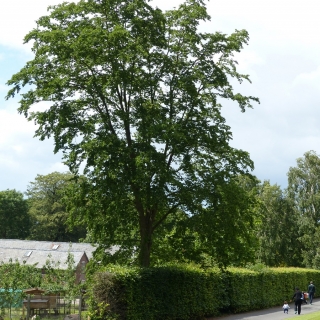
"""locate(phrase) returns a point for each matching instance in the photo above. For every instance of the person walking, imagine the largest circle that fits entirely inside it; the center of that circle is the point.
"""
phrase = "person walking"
(311, 291)
(285, 307)
(297, 297)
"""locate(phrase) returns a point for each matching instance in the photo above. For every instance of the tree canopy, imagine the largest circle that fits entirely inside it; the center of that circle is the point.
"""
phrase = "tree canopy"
(47, 209)
(277, 228)
(14, 218)
(133, 95)
(304, 192)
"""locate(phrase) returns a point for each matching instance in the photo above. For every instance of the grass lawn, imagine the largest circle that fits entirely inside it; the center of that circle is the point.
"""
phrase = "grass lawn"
(309, 316)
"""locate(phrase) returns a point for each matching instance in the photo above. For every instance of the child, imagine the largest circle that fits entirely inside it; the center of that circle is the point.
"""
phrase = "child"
(304, 294)
(285, 307)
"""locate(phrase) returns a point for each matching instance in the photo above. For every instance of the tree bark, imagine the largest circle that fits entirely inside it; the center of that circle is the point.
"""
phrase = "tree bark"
(146, 230)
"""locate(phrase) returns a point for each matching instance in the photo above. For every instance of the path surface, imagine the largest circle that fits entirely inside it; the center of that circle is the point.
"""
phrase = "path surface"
(272, 313)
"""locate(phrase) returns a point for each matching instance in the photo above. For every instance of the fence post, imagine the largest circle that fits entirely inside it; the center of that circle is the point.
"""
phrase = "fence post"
(28, 307)
(80, 305)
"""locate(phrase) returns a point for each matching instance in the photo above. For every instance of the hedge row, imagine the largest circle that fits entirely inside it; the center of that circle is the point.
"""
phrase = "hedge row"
(189, 293)
(258, 290)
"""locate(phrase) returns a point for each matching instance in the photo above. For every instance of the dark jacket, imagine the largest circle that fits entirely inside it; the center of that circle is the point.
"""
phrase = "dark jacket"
(297, 296)
(311, 288)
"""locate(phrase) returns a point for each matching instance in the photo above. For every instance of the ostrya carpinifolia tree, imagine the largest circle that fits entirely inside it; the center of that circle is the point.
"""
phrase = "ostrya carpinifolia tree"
(133, 94)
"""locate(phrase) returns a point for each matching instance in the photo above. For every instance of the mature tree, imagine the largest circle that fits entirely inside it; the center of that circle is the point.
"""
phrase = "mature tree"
(14, 219)
(304, 192)
(133, 94)
(47, 208)
(277, 228)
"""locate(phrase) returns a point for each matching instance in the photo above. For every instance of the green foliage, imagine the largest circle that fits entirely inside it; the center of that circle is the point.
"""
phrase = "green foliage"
(15, 277)
(304, 192)
(159, 293)
(134, 95)
(277, 228)
(187, 292)
(250, 290)
(102, 298)
(58, 279)
(14, 219)
(257, 267)
(47, 208)
(203, 238)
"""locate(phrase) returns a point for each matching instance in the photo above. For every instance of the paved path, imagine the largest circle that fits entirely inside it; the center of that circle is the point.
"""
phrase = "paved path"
(272, 313)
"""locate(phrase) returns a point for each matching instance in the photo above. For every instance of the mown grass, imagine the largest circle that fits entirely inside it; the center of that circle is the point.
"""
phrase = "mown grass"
(309, 316)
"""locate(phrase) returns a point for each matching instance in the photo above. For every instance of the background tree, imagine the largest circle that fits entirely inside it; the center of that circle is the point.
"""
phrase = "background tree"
(304, 192)
(277, 228)
(48, 211)
(135, 97)
(14, 219)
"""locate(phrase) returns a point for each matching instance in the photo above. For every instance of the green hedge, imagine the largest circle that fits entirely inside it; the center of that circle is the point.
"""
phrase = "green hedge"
(257, 290)
(189, 293)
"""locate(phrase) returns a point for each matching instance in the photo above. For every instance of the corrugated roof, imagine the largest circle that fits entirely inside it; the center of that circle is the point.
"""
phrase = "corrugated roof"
(38, 252)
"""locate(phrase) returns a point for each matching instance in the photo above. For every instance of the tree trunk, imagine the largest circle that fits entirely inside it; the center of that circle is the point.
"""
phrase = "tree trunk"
(145, 239)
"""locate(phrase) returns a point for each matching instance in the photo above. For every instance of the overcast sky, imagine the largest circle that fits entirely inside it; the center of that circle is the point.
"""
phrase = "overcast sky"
(282, 58)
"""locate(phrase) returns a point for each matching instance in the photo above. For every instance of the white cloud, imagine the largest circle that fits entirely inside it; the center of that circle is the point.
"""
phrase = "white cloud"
(57, 166)
(22, 157)
(11, 126)
(308, 79)
(17, 18)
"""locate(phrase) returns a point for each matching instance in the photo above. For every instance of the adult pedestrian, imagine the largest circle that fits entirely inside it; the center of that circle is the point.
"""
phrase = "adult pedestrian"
(311, 291)
(297, 297)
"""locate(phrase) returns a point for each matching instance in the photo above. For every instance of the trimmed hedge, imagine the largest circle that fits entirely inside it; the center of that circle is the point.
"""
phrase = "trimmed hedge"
(189, 293)
(258, 290)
